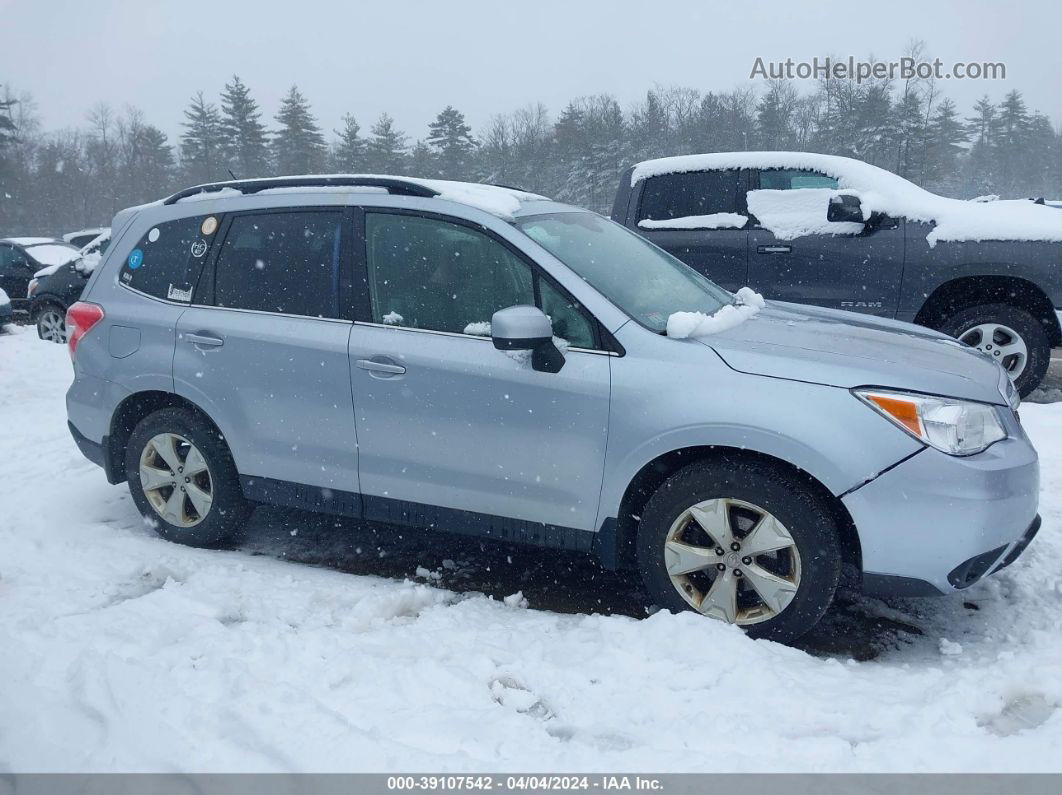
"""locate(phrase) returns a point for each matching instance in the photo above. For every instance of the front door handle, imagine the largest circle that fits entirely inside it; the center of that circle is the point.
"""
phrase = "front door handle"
(374, 366)
(204, 340)
(774, 249)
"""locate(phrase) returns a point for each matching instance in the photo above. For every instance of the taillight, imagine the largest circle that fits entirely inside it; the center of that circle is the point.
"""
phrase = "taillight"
(80, 318)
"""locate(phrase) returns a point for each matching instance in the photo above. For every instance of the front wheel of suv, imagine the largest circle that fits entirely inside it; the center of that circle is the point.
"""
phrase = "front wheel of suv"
(1011, 336)
(183, 480)
(742, 541)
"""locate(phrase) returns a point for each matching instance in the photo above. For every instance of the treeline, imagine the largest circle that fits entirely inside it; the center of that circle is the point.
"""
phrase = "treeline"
(59, 180)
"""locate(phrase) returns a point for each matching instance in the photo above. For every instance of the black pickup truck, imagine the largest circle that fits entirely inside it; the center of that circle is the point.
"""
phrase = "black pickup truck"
(840, 233)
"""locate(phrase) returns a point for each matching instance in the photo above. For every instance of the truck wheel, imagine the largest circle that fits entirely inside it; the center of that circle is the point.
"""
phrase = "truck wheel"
(1011, 336)
(183, 479)
(741, 541)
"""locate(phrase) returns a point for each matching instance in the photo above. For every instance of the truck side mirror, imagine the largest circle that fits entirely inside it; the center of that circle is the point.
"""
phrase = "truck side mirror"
(845, 209)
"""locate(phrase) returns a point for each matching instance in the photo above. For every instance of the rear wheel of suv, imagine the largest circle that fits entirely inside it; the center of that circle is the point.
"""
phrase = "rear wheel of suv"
(51, 323)
(744, 542)
(1011, 336)
(183, 479)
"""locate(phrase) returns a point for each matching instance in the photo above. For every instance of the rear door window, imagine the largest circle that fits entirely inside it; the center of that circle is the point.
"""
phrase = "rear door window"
(693, 193)
(286, 262)
(167, 259)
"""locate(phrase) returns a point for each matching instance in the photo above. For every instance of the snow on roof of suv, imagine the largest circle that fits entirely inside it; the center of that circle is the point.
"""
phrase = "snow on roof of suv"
(882, 191)
(501, 201)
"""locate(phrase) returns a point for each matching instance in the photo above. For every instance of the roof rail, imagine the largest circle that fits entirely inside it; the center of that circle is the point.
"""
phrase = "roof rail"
(393, 185)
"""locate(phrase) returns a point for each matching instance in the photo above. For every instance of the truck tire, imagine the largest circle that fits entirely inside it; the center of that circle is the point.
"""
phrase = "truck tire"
(1012, 336)
(744, 541)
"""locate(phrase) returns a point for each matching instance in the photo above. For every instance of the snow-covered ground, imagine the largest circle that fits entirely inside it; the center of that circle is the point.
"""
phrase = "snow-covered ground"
(119, 651)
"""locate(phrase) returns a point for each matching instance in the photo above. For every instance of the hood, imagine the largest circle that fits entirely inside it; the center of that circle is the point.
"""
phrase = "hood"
(847, 350)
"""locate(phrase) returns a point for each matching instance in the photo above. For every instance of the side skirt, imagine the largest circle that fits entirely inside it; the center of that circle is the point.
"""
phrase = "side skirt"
(414, 514)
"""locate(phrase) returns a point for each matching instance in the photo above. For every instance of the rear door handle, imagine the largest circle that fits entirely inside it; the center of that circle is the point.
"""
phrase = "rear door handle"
(204, 340)
(374, 366)
(774, 249)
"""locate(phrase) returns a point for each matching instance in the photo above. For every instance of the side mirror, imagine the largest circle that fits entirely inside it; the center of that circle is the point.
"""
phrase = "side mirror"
(526, 328)
(845, 209)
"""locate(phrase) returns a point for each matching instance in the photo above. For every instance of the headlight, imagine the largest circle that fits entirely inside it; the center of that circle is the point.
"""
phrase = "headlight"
(955, 427)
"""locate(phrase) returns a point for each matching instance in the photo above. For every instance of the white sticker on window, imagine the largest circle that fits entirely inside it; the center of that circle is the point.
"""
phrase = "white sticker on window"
(176, 294)
(153, 235)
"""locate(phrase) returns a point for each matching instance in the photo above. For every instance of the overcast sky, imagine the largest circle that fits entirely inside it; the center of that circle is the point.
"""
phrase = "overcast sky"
(413, 58)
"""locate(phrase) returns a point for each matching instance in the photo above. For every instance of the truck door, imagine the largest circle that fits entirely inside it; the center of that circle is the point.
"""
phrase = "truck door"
(813, 261)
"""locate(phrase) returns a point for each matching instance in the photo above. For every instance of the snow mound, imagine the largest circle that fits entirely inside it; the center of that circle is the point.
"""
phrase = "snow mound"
(52, 255)
(4, 300)
(713, 221)
(885, 192)
(697, 324)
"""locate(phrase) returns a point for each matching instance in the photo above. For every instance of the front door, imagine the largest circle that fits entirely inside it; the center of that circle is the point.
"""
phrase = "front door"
(813, 261)
(451, 431)
(264, 353)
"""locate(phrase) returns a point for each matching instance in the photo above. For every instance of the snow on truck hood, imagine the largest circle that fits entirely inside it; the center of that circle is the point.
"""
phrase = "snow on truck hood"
(843, 349)
(882, 191)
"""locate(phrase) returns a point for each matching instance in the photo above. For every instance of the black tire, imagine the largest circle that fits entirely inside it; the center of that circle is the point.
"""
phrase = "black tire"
(41, 313)
(1023, 323)
(228, 509)
(775, 490)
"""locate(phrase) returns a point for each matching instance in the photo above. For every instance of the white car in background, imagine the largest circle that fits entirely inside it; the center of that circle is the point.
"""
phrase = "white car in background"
(83, 237)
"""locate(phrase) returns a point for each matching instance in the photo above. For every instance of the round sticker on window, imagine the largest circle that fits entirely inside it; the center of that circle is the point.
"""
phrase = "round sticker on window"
(153, 235)
(210, 223)
(199, 248)
(136, 259)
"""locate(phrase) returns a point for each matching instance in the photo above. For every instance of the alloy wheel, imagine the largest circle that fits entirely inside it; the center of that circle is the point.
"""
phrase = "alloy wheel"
(1000, 342)
(51, 325)
(733, 561)
(176, 480)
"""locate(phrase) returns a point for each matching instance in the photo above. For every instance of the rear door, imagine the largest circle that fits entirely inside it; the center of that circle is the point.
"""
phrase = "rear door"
(700, 217)
(263, 350)
(838, 266)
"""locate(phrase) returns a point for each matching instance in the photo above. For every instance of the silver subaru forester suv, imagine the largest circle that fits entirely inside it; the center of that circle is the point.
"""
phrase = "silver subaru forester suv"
(480, 360)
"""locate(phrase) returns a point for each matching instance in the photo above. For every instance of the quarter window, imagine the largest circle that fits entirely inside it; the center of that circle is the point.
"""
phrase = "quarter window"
(693, 193)
(167, 259)
(285, 262)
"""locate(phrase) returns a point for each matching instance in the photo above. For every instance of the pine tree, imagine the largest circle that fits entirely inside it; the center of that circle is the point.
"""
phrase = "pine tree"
(386, 149)
(298, 145)
(947, 133)
(246, 147)
(202, 143)
(451, 139)
(7, 124)
(423, 162)
(348, 154)
(774, 130)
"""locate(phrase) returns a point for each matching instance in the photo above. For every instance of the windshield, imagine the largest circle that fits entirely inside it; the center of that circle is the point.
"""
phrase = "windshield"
(644, 281)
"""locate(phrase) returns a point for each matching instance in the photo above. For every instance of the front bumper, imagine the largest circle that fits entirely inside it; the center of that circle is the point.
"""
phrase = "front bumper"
(935, 524)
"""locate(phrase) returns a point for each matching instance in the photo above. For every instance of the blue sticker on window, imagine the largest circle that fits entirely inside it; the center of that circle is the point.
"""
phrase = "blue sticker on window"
(136, 259)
